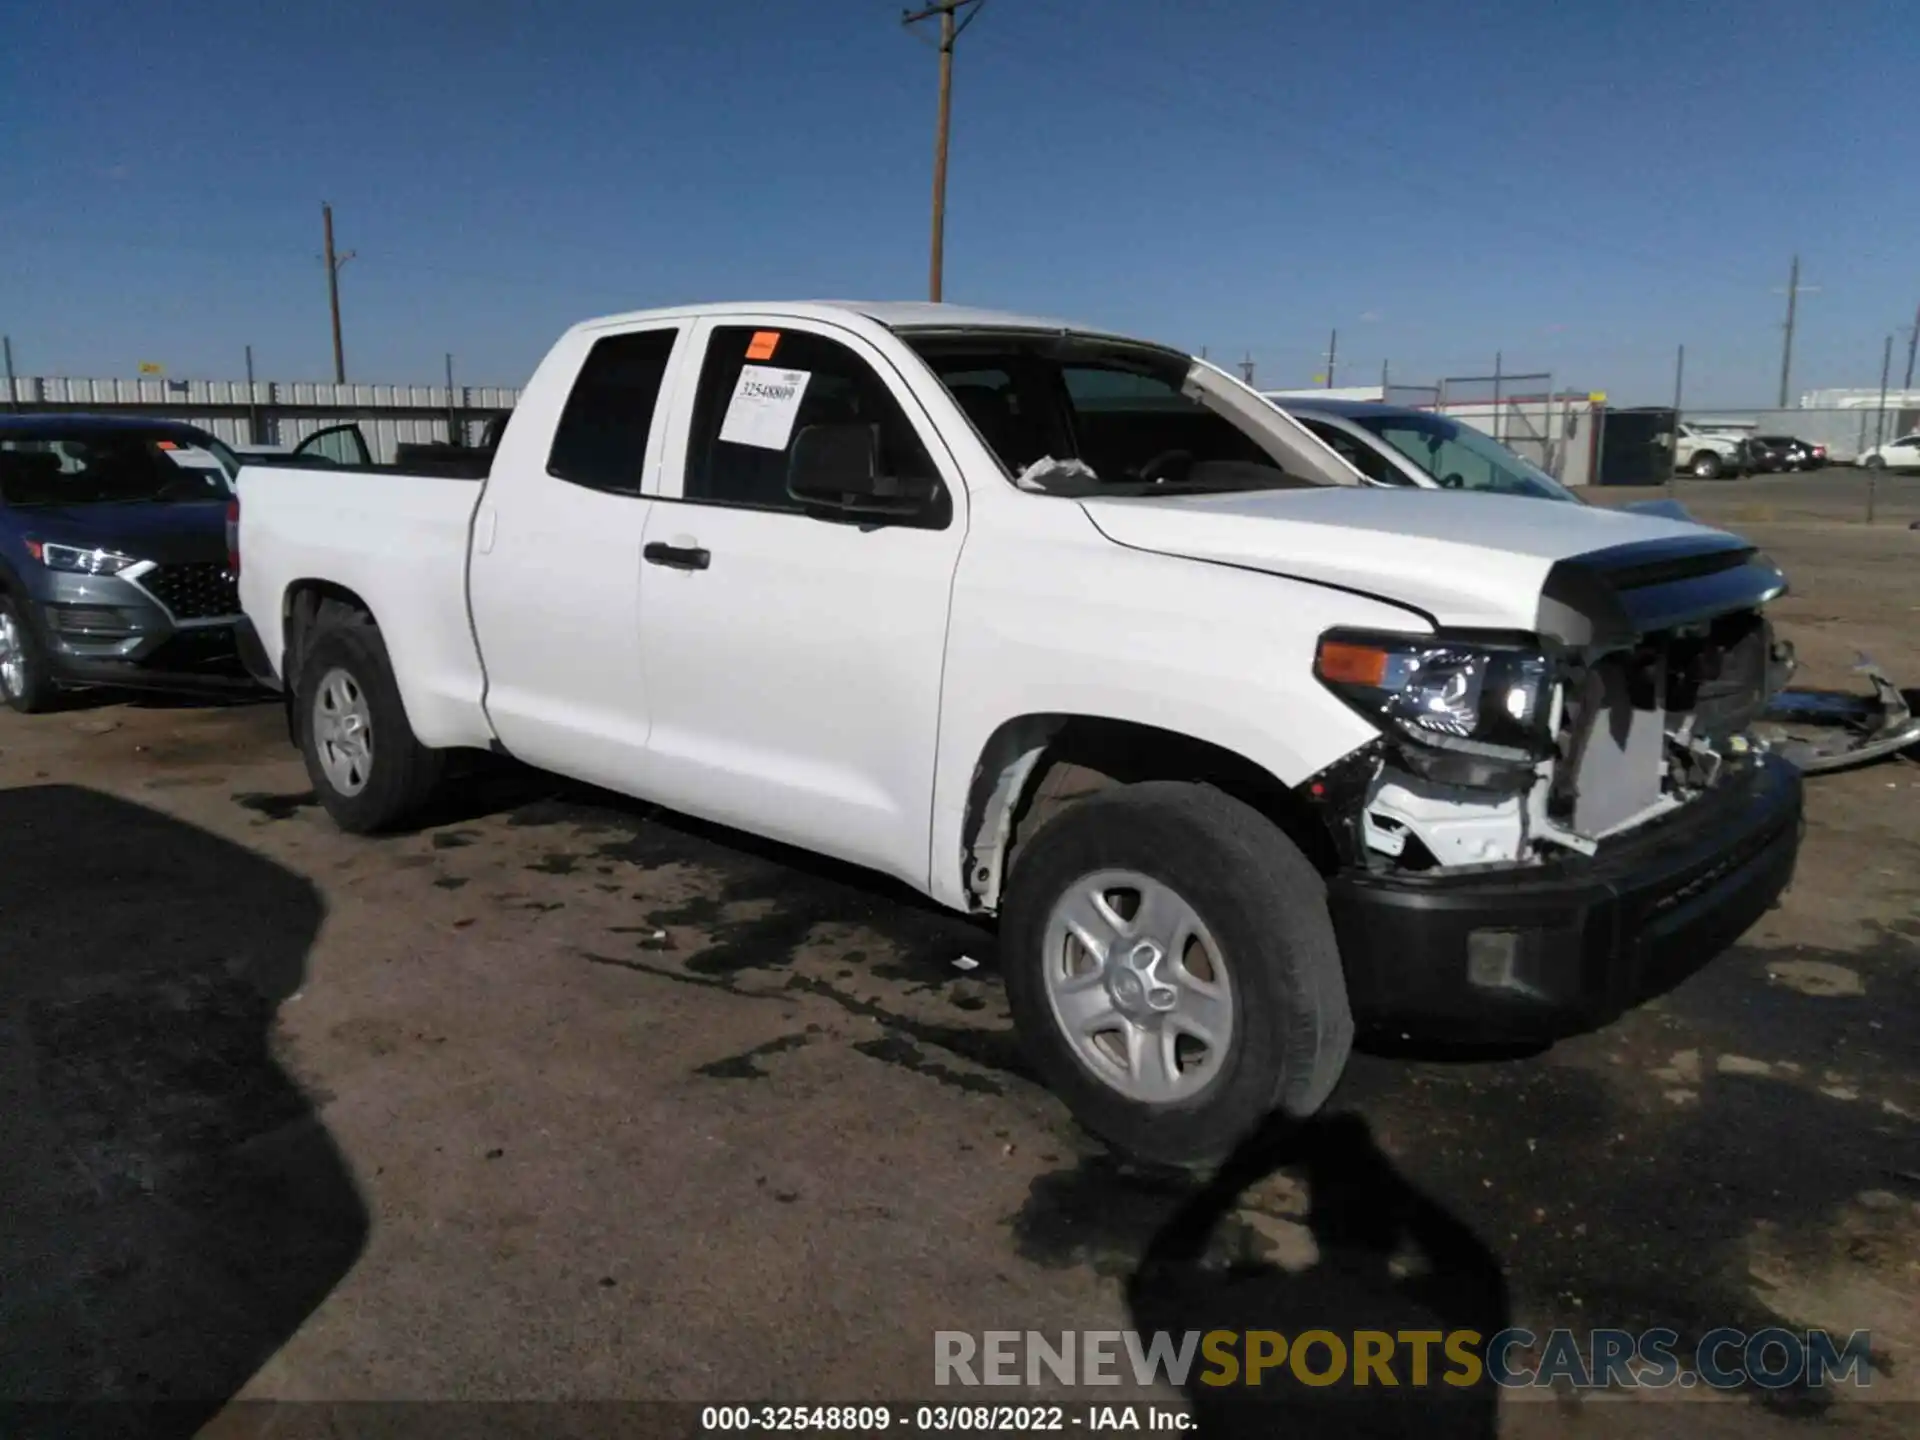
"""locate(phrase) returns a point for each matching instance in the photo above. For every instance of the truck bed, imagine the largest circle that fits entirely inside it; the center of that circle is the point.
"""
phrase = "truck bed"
(395, 540)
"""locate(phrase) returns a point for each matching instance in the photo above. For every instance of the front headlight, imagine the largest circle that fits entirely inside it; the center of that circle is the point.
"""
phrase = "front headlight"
(82, 562)
(1482, 697)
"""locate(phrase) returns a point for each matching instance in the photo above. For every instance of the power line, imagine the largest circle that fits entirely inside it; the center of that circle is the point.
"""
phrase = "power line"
(950, 30)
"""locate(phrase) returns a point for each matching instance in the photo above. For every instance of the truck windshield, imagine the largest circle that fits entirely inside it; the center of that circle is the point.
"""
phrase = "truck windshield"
(102, 468)
(1072, 415)
(1460, 457)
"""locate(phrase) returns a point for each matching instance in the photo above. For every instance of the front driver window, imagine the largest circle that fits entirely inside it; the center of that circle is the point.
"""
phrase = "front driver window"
(759, 388)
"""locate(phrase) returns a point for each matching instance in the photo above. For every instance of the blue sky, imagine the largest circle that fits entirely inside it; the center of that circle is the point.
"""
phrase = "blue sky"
(1579, 186)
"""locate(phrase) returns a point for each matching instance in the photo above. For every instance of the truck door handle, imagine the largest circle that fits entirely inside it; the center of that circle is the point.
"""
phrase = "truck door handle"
(678, 557)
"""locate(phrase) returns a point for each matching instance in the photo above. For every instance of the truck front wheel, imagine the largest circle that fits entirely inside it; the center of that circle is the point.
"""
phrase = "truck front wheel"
(1172, 970)
(367, 768)
(1707, 465)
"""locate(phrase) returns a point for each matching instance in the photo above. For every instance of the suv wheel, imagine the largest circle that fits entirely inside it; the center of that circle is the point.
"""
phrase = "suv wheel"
(1172, 970)
(24, 682)
(1707, 466)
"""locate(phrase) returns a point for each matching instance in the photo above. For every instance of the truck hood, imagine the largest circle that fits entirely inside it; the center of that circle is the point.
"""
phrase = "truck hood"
(169, 531)
(1579, 573)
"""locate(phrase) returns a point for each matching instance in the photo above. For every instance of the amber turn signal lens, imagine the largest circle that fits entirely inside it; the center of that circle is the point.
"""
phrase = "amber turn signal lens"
(1348, 664)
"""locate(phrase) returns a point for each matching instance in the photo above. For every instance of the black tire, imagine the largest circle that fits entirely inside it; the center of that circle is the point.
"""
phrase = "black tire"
(1706, 466)
(402, 772)
(36, 689)
(1265, 906)
(1875, 462)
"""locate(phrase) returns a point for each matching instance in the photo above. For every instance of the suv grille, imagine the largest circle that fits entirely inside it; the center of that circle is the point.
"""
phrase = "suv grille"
(201, 591)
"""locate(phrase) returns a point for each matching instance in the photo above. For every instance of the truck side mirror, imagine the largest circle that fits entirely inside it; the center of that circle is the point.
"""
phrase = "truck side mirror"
(837, 467)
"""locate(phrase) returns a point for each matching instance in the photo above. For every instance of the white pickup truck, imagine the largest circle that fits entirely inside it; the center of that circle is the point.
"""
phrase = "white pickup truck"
(1080, 632)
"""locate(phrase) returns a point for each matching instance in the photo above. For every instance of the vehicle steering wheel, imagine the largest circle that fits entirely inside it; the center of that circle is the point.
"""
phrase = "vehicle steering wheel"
(1455, 481)
(1154, 471)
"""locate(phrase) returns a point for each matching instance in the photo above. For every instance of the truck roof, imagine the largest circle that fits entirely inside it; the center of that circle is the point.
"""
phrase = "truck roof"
(894, 314)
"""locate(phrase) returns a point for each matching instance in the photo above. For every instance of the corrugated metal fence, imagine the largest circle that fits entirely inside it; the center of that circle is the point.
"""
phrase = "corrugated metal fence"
(280, 412)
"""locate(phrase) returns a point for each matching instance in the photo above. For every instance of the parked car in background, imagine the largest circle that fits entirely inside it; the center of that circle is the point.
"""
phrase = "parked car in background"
(1765, 455)
(113, 557)
(1084, 633)
(1705, 454)
(1901, 454)
(1392, 445)
(1800, 454)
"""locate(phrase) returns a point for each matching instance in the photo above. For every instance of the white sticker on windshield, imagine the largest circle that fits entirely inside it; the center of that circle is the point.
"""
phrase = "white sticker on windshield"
(764, 404)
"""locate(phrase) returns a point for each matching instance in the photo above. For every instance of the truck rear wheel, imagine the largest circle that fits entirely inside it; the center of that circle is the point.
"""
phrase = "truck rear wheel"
(1172, 970)
(1707, 465)
(367, 768)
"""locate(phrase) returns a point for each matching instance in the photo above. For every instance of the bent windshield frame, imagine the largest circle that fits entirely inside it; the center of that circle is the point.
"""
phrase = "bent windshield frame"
(1083, 415)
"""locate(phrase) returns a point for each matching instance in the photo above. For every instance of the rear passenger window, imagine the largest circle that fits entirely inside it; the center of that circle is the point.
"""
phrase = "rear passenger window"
(758, 389)
(601, 442)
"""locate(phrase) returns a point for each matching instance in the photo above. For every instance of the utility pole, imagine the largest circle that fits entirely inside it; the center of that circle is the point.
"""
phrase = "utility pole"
(13, 400)
(1673, 436)
(253, 410)
(949, 32)
(1879, 430)
(454, 437)
(1383, 379)
(1333, 355)
(1497, 426)
(334, 262)
(1246, 368)
(1913, 341)
(1794, 287)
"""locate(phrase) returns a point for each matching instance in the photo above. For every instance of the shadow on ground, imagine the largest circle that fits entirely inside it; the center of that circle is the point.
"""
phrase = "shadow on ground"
(1388, 1259)
(175, 1208)
(241, 696)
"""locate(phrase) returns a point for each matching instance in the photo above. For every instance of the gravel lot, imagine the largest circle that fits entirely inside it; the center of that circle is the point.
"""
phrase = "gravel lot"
(564, 1097)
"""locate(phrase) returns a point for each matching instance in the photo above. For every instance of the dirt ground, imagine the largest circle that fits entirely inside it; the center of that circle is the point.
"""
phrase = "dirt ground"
(563, 1097)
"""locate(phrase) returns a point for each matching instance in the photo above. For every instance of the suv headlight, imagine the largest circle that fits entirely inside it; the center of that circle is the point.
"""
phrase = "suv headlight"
(1479, 696)
(83, 562)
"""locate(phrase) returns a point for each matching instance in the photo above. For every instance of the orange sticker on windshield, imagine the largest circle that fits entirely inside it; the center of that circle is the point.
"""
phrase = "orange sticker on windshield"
(762, 345)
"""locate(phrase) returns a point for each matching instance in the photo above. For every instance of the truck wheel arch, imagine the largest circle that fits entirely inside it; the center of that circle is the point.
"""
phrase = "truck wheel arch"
(1034, 766)
(306, 604)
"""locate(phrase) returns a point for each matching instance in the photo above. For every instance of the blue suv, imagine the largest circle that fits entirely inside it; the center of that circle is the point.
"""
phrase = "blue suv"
(115, 566)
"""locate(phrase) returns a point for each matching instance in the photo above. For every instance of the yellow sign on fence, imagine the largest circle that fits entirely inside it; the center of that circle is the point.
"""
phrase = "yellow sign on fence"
(151, 367)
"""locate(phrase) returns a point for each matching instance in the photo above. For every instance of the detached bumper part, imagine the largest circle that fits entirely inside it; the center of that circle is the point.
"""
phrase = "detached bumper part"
(1531, 954)
(1857, 729)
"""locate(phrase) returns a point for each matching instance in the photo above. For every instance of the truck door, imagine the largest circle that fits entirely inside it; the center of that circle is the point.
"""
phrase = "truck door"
(794, 659)
(554, 579)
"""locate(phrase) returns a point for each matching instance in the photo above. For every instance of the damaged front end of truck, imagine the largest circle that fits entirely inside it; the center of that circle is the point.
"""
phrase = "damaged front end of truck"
(1556, 824)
